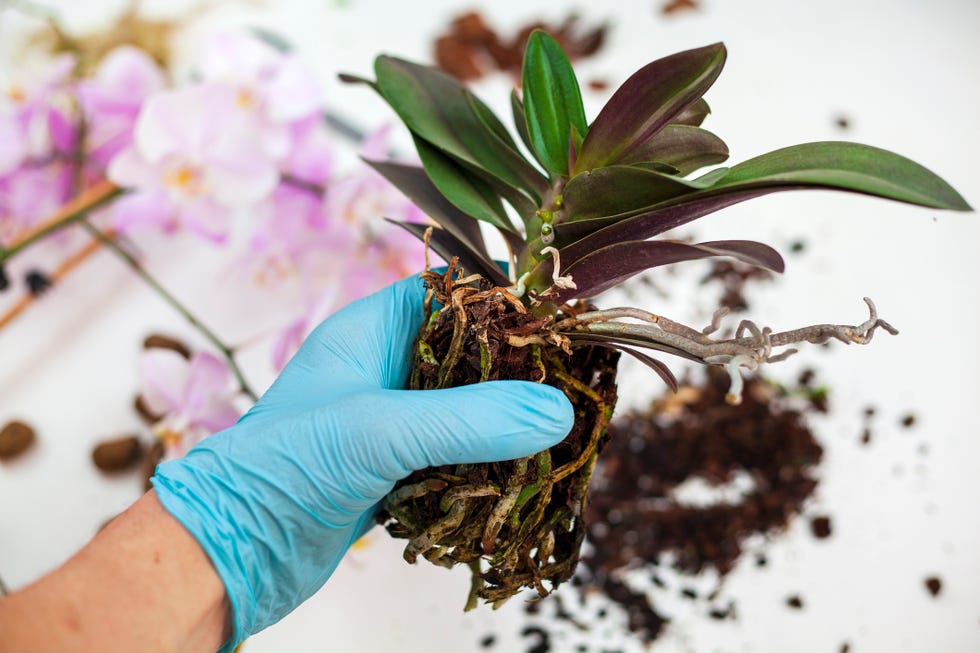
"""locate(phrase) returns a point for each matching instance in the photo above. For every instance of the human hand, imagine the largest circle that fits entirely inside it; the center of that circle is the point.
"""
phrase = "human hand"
(277, 499)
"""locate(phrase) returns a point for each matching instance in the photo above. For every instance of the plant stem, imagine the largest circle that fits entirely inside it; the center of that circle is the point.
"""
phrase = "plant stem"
(73, 211)
(194, 321)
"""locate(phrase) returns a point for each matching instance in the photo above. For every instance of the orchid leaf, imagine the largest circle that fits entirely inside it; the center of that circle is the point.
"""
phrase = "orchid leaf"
(552, 101)
(609, 339)
(520, 123)
(615, 190)
(829, 165)
(847, 166)
(647, 102)
(611, 265)
(660, 368)
(447, 246)
(438, 109)
(683, 147)
(693, 114)
(416, 185)
(468, 192)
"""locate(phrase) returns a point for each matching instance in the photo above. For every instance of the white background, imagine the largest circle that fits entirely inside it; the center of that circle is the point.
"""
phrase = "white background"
(903, 72)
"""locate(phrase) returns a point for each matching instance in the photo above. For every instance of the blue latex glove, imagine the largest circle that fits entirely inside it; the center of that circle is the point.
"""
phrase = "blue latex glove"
(278, 498)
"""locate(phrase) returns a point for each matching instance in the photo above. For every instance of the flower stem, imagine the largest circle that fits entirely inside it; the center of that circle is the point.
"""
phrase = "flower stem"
(194, 321)
(73, 211)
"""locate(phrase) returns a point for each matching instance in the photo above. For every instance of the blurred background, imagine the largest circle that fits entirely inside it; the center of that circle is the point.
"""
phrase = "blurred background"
(897, 74)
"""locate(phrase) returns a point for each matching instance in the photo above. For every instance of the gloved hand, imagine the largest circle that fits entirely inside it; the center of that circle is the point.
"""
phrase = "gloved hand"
(277, 499)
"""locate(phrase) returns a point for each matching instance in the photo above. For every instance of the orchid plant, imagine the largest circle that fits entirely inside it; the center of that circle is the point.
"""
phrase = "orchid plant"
(588, 197)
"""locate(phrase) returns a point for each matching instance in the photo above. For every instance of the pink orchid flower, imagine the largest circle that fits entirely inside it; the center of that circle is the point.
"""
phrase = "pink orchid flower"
(274, 88)
(195, 397)
(31, 118)
(194, 161)
(111, 100)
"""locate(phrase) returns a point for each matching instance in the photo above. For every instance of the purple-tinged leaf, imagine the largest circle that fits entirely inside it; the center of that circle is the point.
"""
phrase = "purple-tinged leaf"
(610, 266)
(615, 190)
(748, 251)
(683, 147)
(693, 114)
(828, 165)
(416, 185)
(627, 340)
(647, 102)
(447, 246)
(661, 369)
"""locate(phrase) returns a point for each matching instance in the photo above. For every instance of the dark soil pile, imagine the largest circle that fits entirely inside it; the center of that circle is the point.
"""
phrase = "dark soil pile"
(636, 522)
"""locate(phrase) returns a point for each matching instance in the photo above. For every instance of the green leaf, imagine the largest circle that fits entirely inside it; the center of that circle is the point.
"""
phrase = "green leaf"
(829, 165)
(520, 122)
(647, 102)
(416, 185)
(469, 193)
(683, 147)
(552, 101)
(847, 166)
(438, 109)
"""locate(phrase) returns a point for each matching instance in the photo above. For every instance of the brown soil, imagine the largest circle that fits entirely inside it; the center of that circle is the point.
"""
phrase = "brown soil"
(470, 48)
(636, 523)
(515, 523)
(15, 438)
(118, 454)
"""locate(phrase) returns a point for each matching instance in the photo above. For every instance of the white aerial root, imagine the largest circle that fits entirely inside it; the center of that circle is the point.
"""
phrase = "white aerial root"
(750, 346)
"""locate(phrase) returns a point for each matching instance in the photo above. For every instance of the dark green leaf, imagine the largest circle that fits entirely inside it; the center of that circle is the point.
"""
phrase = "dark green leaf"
(552, 101)
(448, 246)
(438, 109)
(683, 147)
(834, 166)
(520, 122)
(647, 102)
(613, 264)
(847, 166)
(468, 192)
(416, 185)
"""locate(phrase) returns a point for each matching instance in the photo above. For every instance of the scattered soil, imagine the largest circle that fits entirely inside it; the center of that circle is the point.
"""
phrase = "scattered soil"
(795, 602)
(153, 457)
(820, 527)
(678, 6)
(843, 123)
(16, 437)
(139, 405)
(471, 49)
(160, 341)
(636, 522)
(734, 275)
(118, 454)
(908, 421)
(934, 585)
(37, 282)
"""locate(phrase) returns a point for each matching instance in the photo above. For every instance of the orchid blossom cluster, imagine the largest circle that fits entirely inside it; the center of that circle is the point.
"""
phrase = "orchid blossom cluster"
(239, 155)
